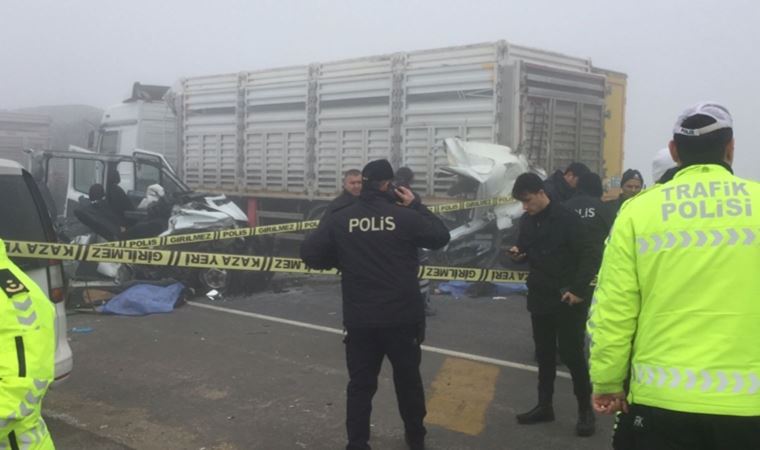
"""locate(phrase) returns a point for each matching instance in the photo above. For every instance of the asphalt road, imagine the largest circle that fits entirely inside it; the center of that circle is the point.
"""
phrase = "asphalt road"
(236, 377)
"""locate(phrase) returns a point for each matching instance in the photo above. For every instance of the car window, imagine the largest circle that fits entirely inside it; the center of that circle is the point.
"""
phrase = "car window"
(109, 143)
(147, 174)
(86, 173)
(25, 218)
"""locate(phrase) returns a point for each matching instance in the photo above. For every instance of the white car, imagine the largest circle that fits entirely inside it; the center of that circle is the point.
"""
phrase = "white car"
(26, 218)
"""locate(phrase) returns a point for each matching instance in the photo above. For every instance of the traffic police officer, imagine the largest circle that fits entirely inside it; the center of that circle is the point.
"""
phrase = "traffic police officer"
(374, 243)
(27, 358)
(678, 294)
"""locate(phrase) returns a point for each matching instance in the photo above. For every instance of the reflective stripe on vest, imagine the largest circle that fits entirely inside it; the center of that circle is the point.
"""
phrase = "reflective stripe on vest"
(738, 382)
(28, 405)
(697, 239)
(28, 439)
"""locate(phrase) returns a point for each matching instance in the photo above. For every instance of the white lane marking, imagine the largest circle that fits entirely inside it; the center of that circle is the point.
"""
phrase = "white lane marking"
(440, 351)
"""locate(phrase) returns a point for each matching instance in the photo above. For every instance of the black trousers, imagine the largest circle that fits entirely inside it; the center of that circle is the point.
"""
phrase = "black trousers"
(567, 330)
(650, 428)
(365, 350)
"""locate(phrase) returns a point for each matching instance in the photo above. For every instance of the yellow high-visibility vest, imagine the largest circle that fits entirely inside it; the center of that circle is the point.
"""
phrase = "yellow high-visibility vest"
(27, 358)
(679, 294)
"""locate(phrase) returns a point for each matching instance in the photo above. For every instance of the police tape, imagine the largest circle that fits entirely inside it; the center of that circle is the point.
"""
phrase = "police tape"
(208, 236)
(290, 227)
(200, 260)
(470, 204)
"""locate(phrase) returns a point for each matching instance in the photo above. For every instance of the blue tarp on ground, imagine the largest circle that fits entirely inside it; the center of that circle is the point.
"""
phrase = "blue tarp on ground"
(459, 288)
(143, 299)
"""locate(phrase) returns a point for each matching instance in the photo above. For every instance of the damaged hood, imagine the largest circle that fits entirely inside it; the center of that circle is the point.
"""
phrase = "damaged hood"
(494, 167)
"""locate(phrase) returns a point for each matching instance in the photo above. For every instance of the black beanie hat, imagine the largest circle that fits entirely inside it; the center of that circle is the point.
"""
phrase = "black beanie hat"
(631, 174)
(377, 170)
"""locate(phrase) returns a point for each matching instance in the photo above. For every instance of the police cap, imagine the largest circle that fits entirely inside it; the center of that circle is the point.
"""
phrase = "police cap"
(377, 170)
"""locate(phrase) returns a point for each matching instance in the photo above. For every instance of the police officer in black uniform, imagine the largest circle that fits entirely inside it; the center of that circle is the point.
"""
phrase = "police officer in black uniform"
(374, 242)
(595, 216)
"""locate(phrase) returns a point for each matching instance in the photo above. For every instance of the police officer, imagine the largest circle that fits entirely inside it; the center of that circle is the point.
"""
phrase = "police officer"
(678, 294)
(374, 243)
(27, 358)
(595, 217)
(553, 240)
(560, 186)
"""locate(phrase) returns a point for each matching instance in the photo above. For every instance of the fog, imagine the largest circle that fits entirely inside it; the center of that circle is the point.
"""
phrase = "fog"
(675, 52)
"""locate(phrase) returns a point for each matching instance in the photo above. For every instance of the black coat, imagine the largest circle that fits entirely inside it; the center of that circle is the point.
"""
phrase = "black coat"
(119, 202)
(559, 255)
(374, 242)
(344, 199)
(613, 206)
(597, 220)
(557, 188)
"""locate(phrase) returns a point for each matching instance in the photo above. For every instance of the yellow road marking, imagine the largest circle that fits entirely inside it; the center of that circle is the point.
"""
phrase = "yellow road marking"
(461, 394)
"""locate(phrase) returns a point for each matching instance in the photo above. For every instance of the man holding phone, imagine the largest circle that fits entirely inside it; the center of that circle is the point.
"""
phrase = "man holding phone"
(554, 242)
(374, 242)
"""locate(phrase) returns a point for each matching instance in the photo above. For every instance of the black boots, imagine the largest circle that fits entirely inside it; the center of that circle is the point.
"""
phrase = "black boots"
(415, 442)
(541, 413)
(586, 425)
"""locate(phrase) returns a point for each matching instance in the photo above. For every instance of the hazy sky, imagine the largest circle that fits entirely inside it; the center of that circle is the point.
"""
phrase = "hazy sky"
(675, 52)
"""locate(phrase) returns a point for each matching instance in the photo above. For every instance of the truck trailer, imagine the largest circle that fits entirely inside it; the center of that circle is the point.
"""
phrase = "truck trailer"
(19, 131)
(278, 140)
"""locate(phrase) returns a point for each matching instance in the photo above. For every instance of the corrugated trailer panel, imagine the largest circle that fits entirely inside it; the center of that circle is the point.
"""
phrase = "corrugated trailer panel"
(353, 118)
(295, 131)
(274, 145)
(209, 131)
(448, 92)
(562, 117)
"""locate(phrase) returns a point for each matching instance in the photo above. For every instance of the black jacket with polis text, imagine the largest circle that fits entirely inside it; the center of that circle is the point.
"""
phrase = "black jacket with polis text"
(374, 242)
(597, 220)
(559, 255)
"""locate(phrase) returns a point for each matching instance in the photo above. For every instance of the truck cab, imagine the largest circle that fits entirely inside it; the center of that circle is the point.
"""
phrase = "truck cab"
(143, 121)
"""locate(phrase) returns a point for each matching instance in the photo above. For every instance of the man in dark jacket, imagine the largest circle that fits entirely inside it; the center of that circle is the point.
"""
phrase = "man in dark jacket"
(560, 186)
(352, 187)
(116, 197)
(595, 216)
(553, 240)
(630, 185)
(373, 242)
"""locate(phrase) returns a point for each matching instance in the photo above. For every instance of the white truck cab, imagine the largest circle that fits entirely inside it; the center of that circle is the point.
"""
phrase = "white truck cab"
(143, 121)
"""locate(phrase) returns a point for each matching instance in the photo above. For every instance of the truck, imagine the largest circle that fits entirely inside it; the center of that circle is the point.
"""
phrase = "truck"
(278, 140)
(19, 131)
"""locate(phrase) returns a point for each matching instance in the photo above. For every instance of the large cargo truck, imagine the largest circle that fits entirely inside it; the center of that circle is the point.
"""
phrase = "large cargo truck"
(278, 140)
